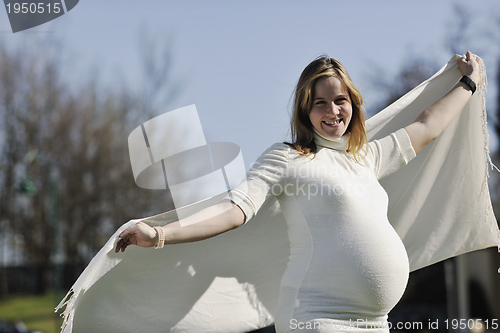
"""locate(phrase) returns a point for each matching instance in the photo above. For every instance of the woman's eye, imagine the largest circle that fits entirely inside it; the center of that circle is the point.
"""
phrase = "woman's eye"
(320, 102)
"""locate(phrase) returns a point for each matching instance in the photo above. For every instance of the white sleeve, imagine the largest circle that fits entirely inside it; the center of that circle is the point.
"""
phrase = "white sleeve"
(262, 181)
(391, 153)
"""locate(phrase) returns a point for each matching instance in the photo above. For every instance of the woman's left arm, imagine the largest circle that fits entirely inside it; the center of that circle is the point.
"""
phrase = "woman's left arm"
(432, 121)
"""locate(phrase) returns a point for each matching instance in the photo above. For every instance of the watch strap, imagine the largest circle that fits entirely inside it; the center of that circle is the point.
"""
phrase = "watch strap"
(467, 80)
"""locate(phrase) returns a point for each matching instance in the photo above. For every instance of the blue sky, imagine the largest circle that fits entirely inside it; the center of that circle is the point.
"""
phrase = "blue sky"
(238, 61)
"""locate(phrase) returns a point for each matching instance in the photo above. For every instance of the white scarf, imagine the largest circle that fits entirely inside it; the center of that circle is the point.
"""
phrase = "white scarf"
(230, 283)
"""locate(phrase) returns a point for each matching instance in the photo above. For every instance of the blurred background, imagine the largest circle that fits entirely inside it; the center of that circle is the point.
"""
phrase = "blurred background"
(73, 89)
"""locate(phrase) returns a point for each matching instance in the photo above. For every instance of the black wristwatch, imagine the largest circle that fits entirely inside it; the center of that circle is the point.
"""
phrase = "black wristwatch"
(472, 85)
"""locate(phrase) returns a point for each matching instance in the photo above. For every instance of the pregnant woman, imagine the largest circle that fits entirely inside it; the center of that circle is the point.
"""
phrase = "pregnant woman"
(347, 267)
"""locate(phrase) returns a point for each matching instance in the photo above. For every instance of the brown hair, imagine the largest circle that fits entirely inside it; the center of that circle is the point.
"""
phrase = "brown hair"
(301, 127)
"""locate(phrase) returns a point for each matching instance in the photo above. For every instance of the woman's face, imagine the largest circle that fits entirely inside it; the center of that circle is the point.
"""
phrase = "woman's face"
(331, 111)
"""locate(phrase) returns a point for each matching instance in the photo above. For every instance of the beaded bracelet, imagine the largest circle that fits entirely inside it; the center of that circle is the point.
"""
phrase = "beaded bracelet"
(161, 238)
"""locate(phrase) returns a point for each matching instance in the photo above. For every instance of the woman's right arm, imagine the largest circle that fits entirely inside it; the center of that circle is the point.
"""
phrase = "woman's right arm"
(207, 223)
(246, 199)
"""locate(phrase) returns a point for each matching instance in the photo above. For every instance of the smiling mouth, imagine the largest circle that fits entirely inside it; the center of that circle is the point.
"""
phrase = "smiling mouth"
(332, 123)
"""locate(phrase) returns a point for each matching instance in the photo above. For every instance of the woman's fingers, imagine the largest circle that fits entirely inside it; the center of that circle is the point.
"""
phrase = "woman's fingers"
(467, 59)
(127, 232)
(125, 239)
(118, 246)
(471, 59)
(124, 246)
(121, 245)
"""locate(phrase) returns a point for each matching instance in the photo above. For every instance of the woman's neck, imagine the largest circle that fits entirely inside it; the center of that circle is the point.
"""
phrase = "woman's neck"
(341, 143)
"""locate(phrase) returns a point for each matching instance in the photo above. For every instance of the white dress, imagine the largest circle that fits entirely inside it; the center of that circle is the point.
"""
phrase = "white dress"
(346, 260)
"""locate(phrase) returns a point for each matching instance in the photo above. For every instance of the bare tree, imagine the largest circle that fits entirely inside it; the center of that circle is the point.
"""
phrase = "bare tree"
(458, 38)
(409, 76)
(67, 151)
(157, 88)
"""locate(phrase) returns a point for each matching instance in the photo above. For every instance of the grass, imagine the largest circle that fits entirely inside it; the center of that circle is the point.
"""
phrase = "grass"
(36, 311)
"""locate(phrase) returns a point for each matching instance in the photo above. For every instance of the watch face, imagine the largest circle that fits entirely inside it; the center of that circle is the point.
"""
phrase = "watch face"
(28, 14)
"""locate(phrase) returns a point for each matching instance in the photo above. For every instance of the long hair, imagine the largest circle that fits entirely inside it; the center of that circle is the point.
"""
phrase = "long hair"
(301, 127)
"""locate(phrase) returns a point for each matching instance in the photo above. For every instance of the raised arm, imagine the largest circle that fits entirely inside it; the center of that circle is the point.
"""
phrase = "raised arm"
(432, 121)
(206, 223)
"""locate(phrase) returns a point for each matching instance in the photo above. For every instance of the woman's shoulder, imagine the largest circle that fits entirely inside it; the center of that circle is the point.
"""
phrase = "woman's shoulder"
(279, 151)
(281, 147)
(391, 152)
(398, 140)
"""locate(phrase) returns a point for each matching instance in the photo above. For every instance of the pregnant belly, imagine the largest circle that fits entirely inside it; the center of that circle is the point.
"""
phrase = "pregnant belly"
(353, 274)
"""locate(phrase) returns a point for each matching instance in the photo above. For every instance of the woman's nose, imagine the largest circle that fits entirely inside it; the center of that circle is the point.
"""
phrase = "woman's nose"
(333, 108)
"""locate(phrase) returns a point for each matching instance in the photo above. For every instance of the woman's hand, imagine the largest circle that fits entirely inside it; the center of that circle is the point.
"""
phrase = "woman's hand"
(469, 66)
(139, 234)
